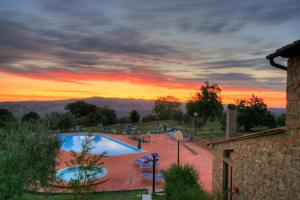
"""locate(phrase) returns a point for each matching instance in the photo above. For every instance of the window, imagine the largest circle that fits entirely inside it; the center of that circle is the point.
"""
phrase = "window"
(227, 174)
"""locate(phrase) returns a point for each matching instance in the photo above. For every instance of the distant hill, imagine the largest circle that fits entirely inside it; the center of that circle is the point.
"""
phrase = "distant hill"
(277, 111)
(122, 106)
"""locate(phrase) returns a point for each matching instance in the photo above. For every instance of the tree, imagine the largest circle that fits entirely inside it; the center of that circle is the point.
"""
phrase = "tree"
(253, 113)
(87, 164)
(134, 116)
(27, 158)
(150, 118)
(109, 116)
(52, 120)
(91, 115)
(207, 103)
(178, 115)
(66, 121)
(5, 117)
(31, 116)
(165, 107)
(80, 108)
(93, 118)
(124, 120)
(60, 121)
(280, 120)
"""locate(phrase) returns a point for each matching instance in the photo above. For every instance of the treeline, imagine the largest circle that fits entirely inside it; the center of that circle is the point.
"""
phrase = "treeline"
(78, 113)
(205, 105)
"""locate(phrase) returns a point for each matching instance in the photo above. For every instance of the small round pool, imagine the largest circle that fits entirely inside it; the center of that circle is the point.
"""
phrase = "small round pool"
(72, 173)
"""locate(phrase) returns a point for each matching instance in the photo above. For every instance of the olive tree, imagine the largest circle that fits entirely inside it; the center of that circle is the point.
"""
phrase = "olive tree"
(27, 158)
(88, 166)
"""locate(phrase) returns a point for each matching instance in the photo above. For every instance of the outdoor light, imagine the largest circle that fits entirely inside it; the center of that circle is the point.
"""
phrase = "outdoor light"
(178, 137)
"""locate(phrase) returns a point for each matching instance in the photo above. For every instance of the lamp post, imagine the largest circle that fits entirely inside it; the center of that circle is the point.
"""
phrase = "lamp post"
(195, 117)
(178, 137)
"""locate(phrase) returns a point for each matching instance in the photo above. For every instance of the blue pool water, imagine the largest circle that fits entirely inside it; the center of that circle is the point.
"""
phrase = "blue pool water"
(100, 144)
(72, 173)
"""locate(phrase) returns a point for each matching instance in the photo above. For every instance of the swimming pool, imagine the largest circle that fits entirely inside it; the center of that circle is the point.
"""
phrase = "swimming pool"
(72, 173)
(100, 144)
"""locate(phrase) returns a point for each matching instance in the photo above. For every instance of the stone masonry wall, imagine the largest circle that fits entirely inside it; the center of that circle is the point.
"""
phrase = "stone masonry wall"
(266, 167)
(293, 94)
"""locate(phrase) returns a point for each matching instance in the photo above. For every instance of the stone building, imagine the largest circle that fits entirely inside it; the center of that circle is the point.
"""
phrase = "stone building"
(264, 165)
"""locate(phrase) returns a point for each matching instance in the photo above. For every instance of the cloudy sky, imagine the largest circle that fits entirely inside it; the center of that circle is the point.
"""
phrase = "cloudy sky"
(61, 49)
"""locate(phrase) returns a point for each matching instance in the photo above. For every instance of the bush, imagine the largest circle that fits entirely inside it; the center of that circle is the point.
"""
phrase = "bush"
(5, 117)
(31, 116)
(280, 120)
(182, 184)
(134, 116)
(124, 120)
(150, 118)
(27, 158)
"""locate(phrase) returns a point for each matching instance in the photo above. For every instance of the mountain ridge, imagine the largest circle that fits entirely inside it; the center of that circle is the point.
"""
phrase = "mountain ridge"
(123, 106)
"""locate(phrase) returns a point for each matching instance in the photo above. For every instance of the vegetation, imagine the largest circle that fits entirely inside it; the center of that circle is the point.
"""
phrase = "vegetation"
(253, 113)
(5, 117)
(182, 184)
(90, 115)
(165, 107)
(80, 108)
(150, 118)
(206, 103)
(31, 116)
(130, 195)
(83, 185)
(27, 158)
(134, 116)
(280, 120)
(125, 120)
(60, 121)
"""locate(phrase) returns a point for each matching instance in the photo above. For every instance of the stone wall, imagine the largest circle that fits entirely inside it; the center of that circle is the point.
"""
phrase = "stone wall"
(293, 94)
(264, 167)
(231, 121)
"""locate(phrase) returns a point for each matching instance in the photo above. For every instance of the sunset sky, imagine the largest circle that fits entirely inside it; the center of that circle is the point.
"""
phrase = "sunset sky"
(143, 48)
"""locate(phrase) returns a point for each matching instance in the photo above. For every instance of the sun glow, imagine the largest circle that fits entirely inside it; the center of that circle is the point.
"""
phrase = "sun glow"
(15, 88)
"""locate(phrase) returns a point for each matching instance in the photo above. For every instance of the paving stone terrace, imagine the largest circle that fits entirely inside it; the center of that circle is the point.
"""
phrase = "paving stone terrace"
(121, 168)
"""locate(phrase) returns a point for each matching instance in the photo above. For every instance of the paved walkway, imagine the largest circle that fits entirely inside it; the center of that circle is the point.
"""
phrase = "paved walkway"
(123, 175)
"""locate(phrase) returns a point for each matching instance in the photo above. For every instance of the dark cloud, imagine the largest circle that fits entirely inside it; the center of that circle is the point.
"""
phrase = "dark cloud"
(140, 37)
(255, 63)
(215, 16)
(245, 80)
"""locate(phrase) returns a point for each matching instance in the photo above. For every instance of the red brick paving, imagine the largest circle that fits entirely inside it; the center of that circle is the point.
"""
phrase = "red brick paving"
(123, 175)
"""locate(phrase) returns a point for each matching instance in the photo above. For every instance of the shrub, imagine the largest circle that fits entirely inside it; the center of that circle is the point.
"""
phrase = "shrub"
(182, 184)
(5, 117)
(27, 158)
(150, 118)
(134, 116)
(124, 120)
(31, 116)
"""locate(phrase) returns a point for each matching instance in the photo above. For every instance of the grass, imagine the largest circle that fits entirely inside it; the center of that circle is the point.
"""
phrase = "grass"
(128, 195)
(209, 130)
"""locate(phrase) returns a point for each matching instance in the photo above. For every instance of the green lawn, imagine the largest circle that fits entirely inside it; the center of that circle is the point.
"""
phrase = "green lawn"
(209, 130)
(132, 195)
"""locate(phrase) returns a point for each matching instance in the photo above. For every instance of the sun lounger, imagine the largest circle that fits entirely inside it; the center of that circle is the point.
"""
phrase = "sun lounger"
(150, 176)
(141, 161)
(148, 166)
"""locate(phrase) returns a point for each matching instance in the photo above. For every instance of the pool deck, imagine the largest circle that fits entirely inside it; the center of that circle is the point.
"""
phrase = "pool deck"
(123, 175)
